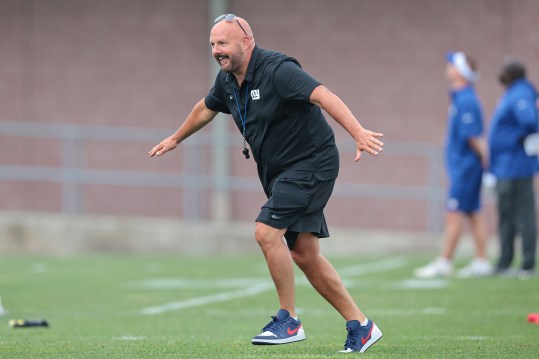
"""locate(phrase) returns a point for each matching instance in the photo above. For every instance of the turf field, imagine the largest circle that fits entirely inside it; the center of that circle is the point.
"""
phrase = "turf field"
(174, 307)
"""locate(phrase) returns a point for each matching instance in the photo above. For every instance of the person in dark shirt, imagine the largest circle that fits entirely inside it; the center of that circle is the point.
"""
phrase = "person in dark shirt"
(277, 109)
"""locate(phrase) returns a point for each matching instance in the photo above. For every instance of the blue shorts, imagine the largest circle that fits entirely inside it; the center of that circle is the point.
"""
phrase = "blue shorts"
(465, 193)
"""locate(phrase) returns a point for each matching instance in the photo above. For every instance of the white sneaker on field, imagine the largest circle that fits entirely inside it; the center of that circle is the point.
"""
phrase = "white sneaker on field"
(440, 267)
(479, 267)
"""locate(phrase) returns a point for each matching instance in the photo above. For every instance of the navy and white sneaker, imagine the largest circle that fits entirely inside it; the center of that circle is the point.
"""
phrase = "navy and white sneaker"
(282, 329)
(360, 338)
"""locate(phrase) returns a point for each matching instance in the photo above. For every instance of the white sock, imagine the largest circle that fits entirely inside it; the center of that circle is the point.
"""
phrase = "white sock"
(296, 318)
(364, 323)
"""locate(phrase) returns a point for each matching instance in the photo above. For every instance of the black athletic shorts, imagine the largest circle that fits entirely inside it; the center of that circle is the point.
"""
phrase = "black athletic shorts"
(296, 202)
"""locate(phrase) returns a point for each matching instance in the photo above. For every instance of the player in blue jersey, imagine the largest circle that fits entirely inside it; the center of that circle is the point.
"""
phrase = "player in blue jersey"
(466, 157)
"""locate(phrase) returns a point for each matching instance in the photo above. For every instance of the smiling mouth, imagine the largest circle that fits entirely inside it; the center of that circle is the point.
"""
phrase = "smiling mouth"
(221, 58)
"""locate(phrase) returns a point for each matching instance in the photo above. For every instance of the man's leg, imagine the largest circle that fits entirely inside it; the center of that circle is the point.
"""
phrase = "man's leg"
(506, 225)
(323, 276)
(525, 221)
(279, 264)
(362, 334)
(443, 266)
(479, 231)
(283, 328)
(479, 266)
(452, 233)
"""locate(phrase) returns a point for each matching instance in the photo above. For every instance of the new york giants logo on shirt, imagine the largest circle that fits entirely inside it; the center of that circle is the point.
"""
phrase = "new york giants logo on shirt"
(255, 94)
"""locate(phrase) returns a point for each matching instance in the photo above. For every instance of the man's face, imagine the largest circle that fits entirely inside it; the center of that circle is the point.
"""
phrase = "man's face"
(451, 72)
(227, 50)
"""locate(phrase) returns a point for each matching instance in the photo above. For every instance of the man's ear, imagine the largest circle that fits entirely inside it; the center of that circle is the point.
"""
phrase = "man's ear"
(245, 42)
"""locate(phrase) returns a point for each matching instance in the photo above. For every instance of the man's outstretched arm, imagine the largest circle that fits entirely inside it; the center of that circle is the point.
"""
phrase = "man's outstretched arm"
(366, 140)
(199, 117)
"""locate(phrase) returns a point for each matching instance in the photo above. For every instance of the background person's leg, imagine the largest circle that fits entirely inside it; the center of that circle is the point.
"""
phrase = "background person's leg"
(525, 221)
(479, 266)
(478, 227)
(506, 224)
(452, 233)
(443, 266)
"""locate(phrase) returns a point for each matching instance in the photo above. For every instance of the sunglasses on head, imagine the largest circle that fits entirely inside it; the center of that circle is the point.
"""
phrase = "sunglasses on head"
(229, 18)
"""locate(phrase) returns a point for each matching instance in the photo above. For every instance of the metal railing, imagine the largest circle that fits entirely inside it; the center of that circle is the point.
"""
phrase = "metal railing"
(70, 175)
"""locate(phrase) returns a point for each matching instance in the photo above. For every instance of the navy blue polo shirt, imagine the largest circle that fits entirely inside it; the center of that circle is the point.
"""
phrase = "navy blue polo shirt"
(284, 130)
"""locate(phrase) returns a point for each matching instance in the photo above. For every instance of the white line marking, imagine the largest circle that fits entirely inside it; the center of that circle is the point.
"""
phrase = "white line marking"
(422, 284)
(253, 289)
(129, 337)
(375, 267)
(476, 337)
(412, 312)
(214, 298)
(434, 310)
(175, 283)
(409, 312)
(39, 267)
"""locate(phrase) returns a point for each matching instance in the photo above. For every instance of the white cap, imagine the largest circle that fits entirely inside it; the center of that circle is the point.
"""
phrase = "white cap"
(458, 59)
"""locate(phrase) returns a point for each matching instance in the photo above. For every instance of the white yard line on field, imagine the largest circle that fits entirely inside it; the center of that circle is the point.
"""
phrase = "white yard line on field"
(212, 298)
(474, 337)
(384, 265)
(130, 337)
(404, 312)
(255, 289)
(178, 283)
(412, 283)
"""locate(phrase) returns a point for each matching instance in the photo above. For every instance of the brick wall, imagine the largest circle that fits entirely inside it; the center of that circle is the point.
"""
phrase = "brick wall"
(139, 65)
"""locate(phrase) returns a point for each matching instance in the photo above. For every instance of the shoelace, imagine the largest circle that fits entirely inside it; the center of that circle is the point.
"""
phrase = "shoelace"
(274, 325)
(351, 340)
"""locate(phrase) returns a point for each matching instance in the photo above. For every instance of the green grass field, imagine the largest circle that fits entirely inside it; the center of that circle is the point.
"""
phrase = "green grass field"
(174, 307)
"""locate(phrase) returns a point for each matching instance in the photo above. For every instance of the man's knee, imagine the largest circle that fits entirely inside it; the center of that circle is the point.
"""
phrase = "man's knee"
(306, 251)
(266, 235)
(301, 258)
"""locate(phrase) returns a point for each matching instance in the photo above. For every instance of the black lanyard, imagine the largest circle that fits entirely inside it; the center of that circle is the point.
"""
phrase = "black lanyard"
(243, 118)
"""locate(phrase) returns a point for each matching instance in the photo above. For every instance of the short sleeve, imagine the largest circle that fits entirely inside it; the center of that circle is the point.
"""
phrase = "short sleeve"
(215, 99)
(470, 120)
(294, 84)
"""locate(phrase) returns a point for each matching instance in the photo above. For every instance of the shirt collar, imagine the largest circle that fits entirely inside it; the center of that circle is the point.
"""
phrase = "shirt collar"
(249, 75)
(464, 89)
(251, 67)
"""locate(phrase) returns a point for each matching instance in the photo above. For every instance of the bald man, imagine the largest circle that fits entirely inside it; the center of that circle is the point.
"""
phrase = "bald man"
(276, 107)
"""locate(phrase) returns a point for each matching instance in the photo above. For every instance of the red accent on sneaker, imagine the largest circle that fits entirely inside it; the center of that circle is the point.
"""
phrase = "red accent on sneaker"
(292, 332)
(364, 340)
